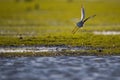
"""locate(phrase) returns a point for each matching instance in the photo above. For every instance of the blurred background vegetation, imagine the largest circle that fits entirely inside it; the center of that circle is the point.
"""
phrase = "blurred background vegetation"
(51, 22)
(63, 13)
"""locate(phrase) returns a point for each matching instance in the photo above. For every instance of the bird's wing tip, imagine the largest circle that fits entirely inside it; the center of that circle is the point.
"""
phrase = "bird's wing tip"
(82, 12)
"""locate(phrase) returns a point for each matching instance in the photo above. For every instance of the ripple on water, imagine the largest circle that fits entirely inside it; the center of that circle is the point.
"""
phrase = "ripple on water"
(60, 68)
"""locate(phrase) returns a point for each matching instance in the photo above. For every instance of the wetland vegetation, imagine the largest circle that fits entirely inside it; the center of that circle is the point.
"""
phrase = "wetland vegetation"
(46, 23)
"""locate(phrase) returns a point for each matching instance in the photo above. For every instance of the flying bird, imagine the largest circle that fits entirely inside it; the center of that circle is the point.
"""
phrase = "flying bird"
(82, 20)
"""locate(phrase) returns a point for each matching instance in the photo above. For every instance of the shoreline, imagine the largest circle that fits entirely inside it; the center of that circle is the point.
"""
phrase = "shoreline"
(37, 49)
(51, 51)
(53, 54)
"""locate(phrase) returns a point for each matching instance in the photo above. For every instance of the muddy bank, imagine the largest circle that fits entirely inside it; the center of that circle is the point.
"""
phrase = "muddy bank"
(52, 54)
(30, 51)
(52, 51)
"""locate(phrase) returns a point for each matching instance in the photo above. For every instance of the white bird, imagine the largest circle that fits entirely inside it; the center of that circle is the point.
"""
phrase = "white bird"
(82, 21)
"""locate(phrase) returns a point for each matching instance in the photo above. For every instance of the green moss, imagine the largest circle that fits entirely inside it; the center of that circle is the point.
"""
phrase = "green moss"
(76, 40)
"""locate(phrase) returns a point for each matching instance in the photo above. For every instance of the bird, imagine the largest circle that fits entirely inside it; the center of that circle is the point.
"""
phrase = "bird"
(82, 20)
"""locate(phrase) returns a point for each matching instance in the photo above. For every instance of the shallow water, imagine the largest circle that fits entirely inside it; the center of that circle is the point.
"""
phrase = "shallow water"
(41, 49)
(60, 68)
(107, 32)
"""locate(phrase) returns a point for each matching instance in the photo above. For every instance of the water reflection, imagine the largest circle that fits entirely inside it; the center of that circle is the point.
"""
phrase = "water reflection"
(60, 68)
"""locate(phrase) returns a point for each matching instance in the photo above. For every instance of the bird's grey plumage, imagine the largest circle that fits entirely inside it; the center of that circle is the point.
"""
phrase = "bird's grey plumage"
(82, 20)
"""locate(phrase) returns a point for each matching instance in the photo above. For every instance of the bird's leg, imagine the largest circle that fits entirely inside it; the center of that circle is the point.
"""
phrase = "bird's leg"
(76, 30)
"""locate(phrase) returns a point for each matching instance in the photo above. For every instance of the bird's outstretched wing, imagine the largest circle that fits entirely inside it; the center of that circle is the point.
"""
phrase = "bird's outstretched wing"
(82, 13)
(89, 18)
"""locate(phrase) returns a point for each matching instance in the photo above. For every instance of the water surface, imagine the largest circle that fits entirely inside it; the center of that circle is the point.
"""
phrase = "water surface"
(60, 68)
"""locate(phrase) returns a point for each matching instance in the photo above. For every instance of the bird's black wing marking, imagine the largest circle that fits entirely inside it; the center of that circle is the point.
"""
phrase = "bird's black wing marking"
(89, 18)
